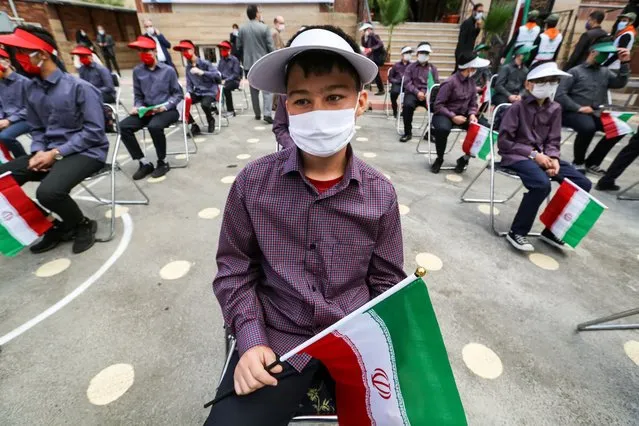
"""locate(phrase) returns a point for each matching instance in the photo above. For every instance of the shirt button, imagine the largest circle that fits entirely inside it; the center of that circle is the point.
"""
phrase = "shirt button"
(312, 246)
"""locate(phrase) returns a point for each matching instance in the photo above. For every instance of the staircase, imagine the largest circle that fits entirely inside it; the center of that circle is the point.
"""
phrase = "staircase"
(442, 37)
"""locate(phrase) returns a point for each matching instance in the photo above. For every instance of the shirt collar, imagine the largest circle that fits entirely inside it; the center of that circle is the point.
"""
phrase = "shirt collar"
(52, 79)
(12, 77)
(293, 163)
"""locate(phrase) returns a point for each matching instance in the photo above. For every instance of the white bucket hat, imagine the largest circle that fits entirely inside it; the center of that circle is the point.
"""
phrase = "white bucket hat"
(547, 69)
(269, 72)
(365, 26)
(424, 48)
(475, 63)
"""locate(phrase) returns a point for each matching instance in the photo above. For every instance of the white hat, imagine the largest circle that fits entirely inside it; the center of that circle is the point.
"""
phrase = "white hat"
(425, 47)
(365, 26)
(269, 72)
(475, 63)
(547, 69)
(407, 49)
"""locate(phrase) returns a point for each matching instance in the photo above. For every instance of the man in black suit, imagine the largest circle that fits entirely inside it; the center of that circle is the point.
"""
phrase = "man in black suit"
(107, 45)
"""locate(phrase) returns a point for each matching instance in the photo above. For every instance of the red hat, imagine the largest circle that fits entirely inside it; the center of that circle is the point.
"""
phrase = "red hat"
(184, 45)
(143, 42)
(25, 40)
(225, 45)
(81, 50)
(4, 54)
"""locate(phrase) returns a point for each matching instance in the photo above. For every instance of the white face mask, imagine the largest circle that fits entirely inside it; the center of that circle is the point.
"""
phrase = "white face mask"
(101, 32)
(544, 90)
(323, 132)
(150, 31)
(281, 27)
(621, 25)
(407, 57)
(422, 57)
(236, 32)
(479, 15)
(472, 73)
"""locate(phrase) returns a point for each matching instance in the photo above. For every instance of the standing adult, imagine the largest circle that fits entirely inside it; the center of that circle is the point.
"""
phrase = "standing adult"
(525, 35)
(107, 45)
(469, 31)
(277, 30)
(548, 44)
(593, 33)
(163, 45)
(233, 40)
(82, 38)
(255, 41)
(624, 38)
(374, 50)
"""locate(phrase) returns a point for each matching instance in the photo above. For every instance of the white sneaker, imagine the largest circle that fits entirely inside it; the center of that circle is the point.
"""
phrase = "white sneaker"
(519, 242)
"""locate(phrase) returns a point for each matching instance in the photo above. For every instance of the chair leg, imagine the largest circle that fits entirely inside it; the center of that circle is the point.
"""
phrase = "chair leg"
(621, 195)
(186, 132)
(464, 199)
(597, 324)
(430, 152)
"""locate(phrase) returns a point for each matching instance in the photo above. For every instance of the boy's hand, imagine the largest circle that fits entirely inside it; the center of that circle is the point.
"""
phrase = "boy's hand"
(554, 170)
(459, 120)
(250, 372)
(544, 161)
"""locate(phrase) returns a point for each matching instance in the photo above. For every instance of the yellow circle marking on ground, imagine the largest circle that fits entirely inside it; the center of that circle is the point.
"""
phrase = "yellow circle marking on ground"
(403, 209)
(228, 179)
(119, 211)
(52, 268)
(259, 127)
(485, 209)
(174, 270)
(429, 261)
(243, 156)
(631, 347)
(199, 140)
(369, 155)
(156, 180)
(253, 140)
(362, 139)
(110, 384)
(454, 178)
(543, 261)
(482, 361)
(180, 157)
(209, 213)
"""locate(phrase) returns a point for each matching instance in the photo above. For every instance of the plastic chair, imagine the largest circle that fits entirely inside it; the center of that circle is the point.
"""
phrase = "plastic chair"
(326, 419)
(400, 108)
(110, 169)
(621, 195)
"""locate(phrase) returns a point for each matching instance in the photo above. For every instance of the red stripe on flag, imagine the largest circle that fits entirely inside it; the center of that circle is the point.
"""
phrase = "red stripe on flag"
(25, 207)
(557, 204)
(608, 124)
(350, 381)
(471, 134)
(5, 152)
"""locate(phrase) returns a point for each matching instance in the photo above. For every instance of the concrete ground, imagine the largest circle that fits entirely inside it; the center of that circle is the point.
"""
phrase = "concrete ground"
(509, 325)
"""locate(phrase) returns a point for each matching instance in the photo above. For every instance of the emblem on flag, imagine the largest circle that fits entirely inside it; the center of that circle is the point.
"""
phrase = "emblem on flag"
(478, 141)
(381, 383)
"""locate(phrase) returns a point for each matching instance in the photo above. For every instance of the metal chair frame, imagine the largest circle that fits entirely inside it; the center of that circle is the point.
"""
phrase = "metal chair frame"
(598, 324)
(400, 108)
(621, 195)
(230, 347)
(490, 95)
(387, 94)
(118, 96)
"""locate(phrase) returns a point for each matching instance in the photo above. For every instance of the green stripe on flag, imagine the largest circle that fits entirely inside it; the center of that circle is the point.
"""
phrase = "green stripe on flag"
(625, 116)
(9, 246)
(431, 80)
(583, 224)
(425, 377)
(485, 148)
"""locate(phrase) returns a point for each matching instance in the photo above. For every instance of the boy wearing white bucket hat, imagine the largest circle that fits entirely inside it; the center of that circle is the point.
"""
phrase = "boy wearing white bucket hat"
(529, 144)
(309, 234)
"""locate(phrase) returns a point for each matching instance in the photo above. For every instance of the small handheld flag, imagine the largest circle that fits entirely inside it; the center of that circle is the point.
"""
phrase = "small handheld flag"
(21, 221)
(485, 95)
(616, 123)
(571, 213)
(477, 142)
(5, 154)
(142, 111)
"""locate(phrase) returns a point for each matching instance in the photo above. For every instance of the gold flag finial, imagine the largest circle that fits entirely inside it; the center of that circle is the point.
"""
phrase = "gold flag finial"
(420, 272)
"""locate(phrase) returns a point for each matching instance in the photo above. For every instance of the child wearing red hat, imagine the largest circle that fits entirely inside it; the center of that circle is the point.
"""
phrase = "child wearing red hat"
(13, 106)
(229, 67)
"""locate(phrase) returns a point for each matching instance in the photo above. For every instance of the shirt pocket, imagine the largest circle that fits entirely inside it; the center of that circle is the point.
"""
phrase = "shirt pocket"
(348, 267)
(65, 115)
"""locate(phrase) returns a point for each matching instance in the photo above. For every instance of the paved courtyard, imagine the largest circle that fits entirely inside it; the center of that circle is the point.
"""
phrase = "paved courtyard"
(130, 332)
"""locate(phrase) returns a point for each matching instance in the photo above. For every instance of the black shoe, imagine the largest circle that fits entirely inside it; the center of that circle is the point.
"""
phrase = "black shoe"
(596, 170)
(520, 242)
(549, 238)
(258, 117)
(395, 114)
(212, 126)
(195, 129)
(462, 162)
(380, 92)
(269, 120)
(604, 185)
(437, 165)
(84, 235)
(161, 169)
(144, 170)
(406, 137)
(51, 239)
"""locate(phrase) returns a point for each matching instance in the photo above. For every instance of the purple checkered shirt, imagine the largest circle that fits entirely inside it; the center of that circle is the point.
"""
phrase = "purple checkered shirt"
(292, 262)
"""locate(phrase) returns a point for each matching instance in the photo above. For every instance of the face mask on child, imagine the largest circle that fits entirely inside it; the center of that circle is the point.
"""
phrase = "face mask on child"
(407, 57)
(544, 90)
(422, 58)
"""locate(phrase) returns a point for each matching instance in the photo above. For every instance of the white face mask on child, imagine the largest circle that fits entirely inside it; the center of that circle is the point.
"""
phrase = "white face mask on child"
(544, 90)
(422, 58)
(407, 57)
(323, 132)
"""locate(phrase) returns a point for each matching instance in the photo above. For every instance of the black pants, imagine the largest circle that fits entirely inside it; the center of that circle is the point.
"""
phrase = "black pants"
(625, 157)
(410, 105)
(57, 183)
(208, 104)
(269, 406)
(111, 63)
(108, 98)
(229, 86)
(394, 94)
(586, 125)
(499, 99)
(155, 124)
(442, 126)
(378, 82)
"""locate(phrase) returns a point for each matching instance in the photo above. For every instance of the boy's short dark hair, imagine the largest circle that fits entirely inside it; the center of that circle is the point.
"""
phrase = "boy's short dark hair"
(598, 16)
(47, 37)
(251, 11)
(477, 6)
(235, 26)
(322, 62)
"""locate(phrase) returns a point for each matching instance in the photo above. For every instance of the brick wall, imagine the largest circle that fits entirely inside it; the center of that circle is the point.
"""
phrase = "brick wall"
(30, 12)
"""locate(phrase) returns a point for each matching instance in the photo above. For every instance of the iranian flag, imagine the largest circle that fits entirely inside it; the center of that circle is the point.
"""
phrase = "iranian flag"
(485, 94)
(571, 213)
(616, 123)
(5, 154)
(389, 362)
(431, 81)
(21, 221)
(477, 142)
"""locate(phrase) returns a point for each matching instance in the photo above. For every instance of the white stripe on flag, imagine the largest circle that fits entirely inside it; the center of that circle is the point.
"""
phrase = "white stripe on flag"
(482, 134)
(570, 213)
(384, 396)
(15, 224)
